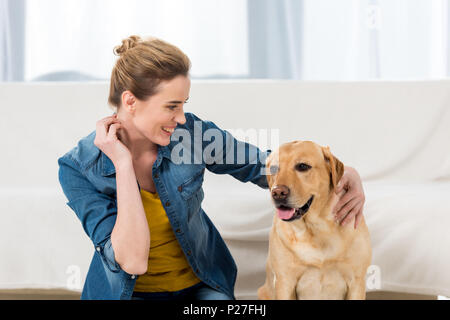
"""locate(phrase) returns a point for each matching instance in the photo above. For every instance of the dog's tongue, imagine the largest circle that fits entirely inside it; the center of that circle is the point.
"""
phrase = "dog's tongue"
(285, 213)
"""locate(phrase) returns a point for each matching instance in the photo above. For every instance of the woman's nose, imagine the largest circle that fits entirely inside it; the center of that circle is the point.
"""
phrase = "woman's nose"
(180, 118)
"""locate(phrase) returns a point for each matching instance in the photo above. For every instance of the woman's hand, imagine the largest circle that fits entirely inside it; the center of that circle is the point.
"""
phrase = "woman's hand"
(351, 204)
(107, 141)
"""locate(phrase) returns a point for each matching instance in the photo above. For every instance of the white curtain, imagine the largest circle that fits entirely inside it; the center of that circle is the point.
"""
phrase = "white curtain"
(81, 34)
(348, 40)
(5, 42)
(375, 39)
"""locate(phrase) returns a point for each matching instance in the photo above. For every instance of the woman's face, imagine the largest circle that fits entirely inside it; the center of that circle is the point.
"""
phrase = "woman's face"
(157, 117)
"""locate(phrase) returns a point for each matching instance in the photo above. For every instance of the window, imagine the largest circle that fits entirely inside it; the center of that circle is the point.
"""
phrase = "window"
(345, 40)
(79, 35)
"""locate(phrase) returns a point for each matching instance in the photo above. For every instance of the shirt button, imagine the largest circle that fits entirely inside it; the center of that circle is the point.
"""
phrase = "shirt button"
(180, 188)
(156, 175)
(189, 252)
(168, 204)
(98, 249)
(133, 276)
(178, 230)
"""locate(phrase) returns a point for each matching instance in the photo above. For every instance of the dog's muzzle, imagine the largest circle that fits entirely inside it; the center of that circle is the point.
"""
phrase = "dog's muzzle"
(290, 214)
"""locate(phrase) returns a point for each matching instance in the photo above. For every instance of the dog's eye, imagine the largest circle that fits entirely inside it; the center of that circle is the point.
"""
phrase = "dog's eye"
(302, 167)
(274, 169)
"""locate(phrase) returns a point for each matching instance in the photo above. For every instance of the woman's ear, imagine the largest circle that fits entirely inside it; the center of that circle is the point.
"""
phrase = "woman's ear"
(128, 100)
(335, 167)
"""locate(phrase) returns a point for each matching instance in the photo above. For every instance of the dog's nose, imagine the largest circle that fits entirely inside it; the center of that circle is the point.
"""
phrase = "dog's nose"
(280, 192)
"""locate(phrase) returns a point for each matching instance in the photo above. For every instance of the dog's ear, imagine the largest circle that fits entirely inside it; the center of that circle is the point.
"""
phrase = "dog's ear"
(335, 167)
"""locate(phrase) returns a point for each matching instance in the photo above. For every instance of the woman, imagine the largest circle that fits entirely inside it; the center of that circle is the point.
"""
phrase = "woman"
(139, 204)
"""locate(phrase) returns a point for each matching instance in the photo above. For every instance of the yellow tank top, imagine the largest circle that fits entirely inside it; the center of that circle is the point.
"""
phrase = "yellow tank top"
(168, 268)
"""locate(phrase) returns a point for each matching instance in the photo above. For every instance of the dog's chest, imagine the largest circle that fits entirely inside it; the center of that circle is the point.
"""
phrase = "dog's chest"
(321, 284)
(317, 253)
(310, 248)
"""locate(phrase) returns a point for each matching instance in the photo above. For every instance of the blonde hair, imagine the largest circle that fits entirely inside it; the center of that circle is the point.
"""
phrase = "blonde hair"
(143, 65)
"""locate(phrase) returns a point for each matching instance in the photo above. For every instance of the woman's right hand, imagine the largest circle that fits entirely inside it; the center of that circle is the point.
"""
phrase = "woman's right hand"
(107, 141)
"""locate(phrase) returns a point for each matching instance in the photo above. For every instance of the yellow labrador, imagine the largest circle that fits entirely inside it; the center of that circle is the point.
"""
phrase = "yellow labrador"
(310, 255)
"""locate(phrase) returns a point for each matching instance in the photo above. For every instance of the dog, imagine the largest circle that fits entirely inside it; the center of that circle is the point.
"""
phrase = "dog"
(311, 256)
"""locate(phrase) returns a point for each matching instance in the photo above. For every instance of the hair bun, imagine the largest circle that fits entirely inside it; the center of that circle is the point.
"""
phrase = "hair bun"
(127, 44)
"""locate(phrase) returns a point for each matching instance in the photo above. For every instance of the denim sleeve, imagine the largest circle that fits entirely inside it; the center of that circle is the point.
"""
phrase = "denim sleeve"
(242, 160)
(96, 211)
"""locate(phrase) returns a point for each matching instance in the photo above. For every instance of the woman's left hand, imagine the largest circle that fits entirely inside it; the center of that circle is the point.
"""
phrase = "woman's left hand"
(351, 204)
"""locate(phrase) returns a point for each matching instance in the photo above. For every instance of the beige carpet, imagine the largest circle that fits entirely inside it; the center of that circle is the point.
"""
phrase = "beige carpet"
(60, 294)
(39, 294)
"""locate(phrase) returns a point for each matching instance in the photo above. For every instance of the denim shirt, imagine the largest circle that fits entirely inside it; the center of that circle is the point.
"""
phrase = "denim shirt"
(87, 177)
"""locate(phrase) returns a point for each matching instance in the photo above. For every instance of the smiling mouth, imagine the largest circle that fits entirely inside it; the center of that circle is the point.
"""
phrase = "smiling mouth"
(168, 130)
(289, 214)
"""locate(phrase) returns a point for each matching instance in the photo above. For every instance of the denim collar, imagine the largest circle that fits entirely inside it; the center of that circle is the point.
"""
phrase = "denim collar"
(107, 166)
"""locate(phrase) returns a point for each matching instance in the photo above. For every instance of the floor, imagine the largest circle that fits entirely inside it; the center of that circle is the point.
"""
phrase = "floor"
(60, 294)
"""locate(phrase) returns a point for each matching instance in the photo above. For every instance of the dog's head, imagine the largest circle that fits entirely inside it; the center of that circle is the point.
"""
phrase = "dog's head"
(301, 175)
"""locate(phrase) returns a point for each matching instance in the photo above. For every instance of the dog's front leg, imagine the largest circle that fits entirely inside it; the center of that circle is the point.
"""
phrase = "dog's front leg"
(285, 288)
(356, 289)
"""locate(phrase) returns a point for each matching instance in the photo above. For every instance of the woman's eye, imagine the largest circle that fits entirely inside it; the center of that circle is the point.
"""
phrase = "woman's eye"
(302, 167)
(172, 107)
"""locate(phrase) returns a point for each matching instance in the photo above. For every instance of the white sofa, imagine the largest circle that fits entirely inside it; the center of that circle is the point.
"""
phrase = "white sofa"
(396, 134)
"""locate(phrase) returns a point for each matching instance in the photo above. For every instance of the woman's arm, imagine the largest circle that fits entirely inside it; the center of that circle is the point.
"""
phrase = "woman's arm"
(130, 237)
(99, 216)
(242, 160)
(117, 227)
